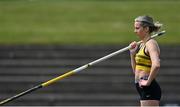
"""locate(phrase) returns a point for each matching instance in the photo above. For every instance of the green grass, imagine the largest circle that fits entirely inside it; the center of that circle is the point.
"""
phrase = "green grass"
(83, 21)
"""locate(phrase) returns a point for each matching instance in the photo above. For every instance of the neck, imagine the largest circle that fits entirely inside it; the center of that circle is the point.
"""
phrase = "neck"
(146, 38)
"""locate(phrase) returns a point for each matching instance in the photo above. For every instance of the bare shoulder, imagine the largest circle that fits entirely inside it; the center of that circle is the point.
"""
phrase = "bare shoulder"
(152, 42)
(152, 45)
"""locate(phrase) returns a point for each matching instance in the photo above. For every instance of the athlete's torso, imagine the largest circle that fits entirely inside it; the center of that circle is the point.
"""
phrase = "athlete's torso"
(143, 63)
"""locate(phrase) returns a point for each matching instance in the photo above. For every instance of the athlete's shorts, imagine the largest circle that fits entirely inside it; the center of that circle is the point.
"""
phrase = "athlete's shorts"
(152, 92)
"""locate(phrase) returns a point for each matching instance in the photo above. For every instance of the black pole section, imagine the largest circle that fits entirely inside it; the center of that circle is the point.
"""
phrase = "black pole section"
(20, 94)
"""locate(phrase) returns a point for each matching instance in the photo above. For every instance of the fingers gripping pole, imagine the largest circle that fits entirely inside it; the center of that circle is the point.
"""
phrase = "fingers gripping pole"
(71, 72)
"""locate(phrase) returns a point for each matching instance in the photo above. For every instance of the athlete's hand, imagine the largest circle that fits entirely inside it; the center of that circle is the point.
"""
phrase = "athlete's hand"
(133, 47)
(144, 83)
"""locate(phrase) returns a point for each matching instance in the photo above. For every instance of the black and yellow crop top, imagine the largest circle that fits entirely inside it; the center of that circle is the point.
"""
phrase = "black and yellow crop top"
(143, 61)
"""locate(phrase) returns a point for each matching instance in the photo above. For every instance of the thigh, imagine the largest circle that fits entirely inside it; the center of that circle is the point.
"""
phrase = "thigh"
(149, 103)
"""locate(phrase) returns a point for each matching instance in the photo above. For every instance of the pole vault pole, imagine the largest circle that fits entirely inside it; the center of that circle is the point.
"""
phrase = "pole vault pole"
(47, 83)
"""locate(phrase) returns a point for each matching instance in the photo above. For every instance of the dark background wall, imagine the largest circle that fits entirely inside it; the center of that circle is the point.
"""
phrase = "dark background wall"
(108, 83)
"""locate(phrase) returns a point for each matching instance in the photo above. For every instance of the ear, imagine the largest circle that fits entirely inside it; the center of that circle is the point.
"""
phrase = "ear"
(146, 29)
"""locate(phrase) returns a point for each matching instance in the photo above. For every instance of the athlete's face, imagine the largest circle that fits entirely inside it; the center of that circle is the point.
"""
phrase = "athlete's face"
(138, 29)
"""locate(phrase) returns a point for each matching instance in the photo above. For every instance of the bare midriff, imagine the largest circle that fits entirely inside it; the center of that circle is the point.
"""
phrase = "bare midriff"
(140, 74)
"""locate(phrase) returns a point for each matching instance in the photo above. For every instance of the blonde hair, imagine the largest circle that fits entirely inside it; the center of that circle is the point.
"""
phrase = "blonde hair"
(147, 21)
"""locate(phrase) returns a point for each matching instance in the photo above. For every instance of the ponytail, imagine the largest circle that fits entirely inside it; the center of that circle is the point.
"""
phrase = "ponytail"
(155, 28)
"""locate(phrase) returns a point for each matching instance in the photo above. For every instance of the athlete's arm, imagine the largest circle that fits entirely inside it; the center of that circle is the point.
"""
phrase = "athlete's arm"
(154, 52)
(132, 54)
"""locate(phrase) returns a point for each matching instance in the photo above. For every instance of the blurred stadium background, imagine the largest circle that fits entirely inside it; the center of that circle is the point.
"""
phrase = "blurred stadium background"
(41, 39)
